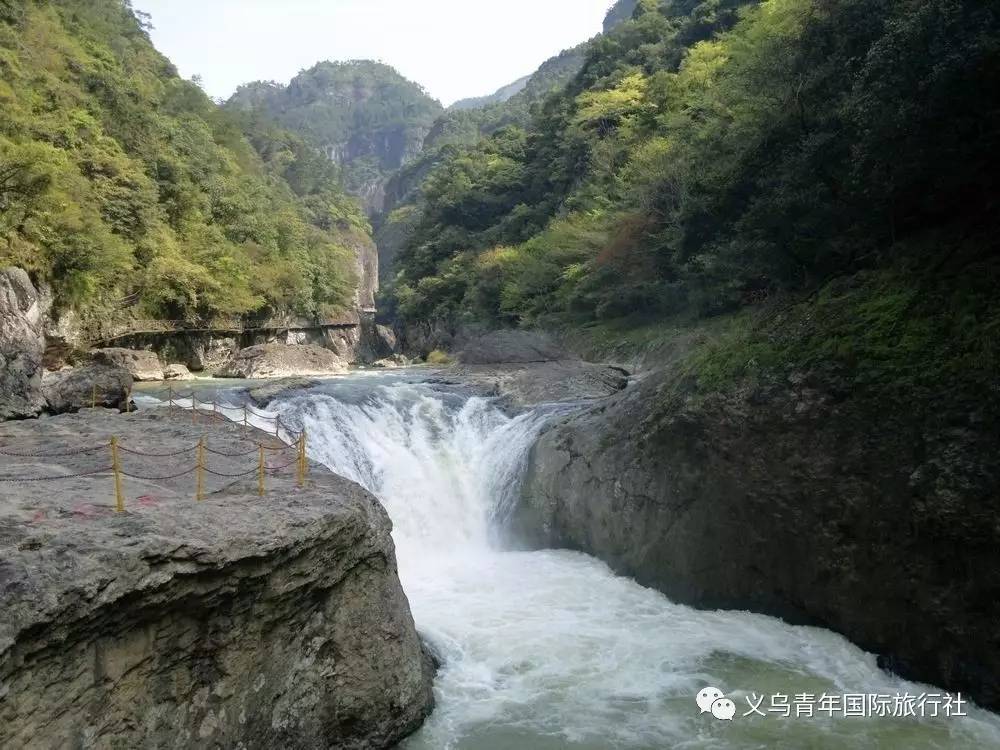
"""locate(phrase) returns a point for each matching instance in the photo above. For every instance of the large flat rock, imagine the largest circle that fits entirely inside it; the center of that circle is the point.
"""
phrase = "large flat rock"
(239, 621)
(532, 383)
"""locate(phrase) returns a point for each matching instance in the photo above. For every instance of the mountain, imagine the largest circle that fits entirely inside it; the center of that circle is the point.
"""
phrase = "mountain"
(129, 191)
(498, 97)
(462, 127)
(620, 13)
(363, 115)
(710, 154)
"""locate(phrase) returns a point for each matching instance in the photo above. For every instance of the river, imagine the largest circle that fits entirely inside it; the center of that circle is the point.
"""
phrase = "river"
(550, 650)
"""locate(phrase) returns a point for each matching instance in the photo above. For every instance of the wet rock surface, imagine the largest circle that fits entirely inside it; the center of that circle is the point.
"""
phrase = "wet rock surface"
(263, 395)
(801, 499)
(238, 621)
(22, 346)
(525, 368)
(525, 385)
(282, 361)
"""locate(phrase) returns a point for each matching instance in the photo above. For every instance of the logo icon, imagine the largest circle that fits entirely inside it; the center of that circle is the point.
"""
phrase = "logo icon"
(724, 709)
(712, 700)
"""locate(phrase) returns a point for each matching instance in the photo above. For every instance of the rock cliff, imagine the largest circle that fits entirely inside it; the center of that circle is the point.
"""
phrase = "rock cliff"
(805, 499)
(22, 345)
(237, 622)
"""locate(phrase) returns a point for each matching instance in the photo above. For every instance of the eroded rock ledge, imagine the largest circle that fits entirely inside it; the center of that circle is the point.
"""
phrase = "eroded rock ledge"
(237, 622)
(805, 499)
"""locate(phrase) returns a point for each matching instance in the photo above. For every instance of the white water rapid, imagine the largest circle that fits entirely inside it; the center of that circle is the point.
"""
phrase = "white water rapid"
(547, 650)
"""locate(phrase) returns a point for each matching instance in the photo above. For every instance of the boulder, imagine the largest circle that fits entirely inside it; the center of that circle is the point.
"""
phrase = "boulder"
(177, 372)
(390, 363)
(22, 346)
(143, 365)
(78, 388)
(282, 361)
(512, 347)
(235, 622)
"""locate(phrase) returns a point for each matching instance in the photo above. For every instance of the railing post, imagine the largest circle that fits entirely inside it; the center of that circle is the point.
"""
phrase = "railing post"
(244, 420)
(170, 395)
(200, 472)
(117, 469)
(260, 469)
(277, 426)
(302, 459)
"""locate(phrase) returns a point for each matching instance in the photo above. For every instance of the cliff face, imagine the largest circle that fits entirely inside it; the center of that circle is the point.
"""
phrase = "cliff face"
(235, 622)
(22, 344)
(362, 115)
(802, 499)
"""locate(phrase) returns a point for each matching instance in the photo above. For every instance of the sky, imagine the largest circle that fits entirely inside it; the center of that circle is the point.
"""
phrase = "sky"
(453, 48)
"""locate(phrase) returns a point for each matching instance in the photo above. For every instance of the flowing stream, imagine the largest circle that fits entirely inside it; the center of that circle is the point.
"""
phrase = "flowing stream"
(546, 650)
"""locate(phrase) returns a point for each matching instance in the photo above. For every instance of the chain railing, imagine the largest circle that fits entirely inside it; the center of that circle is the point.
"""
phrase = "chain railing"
(120, 460)
(201, 409)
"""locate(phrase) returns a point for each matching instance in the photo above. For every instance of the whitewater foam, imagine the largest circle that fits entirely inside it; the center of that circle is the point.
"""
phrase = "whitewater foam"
(546, 650)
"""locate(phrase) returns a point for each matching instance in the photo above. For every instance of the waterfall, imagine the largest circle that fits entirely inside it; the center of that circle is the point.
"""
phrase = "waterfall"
(413, 449)
(549, 650)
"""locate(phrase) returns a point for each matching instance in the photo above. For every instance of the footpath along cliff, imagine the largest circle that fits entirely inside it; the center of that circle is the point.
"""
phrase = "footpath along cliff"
(239, 621)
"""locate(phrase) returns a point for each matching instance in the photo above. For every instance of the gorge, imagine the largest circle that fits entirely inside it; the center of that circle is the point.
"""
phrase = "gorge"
(551, 649)
(705, 318)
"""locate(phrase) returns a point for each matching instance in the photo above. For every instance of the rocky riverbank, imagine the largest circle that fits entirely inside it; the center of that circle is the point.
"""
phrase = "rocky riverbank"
(239, 621)
(526, 368)
(806, 497)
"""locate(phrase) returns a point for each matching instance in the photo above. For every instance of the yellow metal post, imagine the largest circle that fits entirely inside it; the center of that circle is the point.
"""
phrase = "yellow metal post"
(260, 470)
(117, 469)
(200, 472)
(301, 474)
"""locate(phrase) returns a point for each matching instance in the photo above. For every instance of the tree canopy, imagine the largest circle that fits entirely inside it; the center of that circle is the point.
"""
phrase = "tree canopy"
(709, 152)
(121, 181)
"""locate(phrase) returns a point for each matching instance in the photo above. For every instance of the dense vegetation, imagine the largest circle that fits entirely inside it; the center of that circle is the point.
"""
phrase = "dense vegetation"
(712, 153)
(364, 116)
(452, 133)
(122, 183)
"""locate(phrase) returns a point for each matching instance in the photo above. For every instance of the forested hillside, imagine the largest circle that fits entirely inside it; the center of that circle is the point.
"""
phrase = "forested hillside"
(363, 115)
(122, 183)
(455, 131)
(710, 155)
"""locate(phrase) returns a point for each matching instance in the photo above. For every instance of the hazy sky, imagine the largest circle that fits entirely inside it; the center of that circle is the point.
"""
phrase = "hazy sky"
(454, 48)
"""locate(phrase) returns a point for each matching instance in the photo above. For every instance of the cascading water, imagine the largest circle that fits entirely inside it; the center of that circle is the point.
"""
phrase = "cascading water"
(547, 650)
